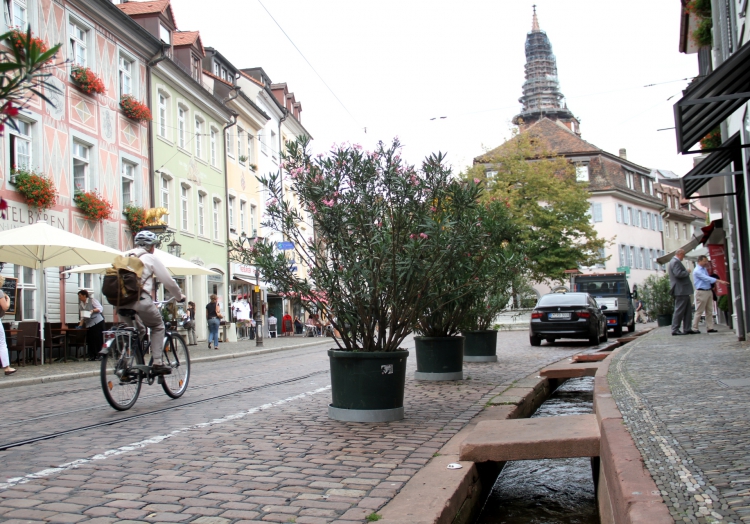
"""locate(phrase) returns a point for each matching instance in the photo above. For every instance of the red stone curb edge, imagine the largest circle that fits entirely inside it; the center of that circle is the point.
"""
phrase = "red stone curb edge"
(626, 492)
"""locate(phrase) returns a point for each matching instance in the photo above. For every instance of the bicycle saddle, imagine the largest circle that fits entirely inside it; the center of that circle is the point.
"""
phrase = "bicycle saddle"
(126, 312)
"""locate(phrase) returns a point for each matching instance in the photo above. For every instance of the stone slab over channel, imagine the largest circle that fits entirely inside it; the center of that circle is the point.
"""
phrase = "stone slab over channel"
(570, 370)
(532, 439)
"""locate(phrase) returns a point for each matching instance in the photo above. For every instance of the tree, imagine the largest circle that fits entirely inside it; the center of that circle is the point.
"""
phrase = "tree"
(546, 201)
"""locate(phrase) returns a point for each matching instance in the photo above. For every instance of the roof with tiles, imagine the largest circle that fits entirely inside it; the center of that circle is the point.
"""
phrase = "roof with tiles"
(181, 38)
(147, 8)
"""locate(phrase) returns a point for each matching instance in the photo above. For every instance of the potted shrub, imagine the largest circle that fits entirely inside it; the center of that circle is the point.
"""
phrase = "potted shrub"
(134, 109)
(502, 272)
(367, 258)
(461, 240)
(657, 299)
(93, 205)
(38, 190)
(87, 80)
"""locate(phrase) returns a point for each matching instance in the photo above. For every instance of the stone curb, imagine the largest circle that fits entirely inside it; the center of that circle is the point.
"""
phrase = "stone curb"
(95, 373)
(632, 495)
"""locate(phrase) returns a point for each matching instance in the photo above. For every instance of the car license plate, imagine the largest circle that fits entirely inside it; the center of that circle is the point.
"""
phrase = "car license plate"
(612, 321)
(559, 315)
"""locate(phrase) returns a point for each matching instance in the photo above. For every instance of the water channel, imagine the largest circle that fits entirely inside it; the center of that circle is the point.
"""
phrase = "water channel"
(554, 491)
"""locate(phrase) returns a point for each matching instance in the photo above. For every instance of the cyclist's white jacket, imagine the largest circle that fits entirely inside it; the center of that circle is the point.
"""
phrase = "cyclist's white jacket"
(152, 266)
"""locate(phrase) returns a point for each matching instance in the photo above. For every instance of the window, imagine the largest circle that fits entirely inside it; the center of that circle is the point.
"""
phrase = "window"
(645, 254)
(217, 69)
(126, 76)
(162, 115)
(637, 216)
(652, 259)
(490, 175)
(661, 223)
(27, 284)
(213, 146)
(629, 216)
(684, 231)
(127, 171)
(582, 173)
(224, 74)
(272, 144)
(643, 184)
(666, 228)
(20, 145)
(181, 126)
(184, 206)
(597, 211)
(231, 214)
(216, 219)
(240, 143)
(631, 257)
(165, 193)
(602, 255)
(18, 13)
(230, 143)
(646, 220)
(197, 69)
(81, 166)
(78, 44)
(201, 214)
(619, 213)
(164, 34)
(250, 148)
(242, 216)
(651, 187)
(198, 138)
(653, 222)
(623, 256)
(252, 221)
(630, 180)
(677, 231)
(262, 140)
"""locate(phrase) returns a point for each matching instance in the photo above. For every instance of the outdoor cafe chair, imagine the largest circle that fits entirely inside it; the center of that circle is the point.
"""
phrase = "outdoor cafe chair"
(51, 340)
(28, 335)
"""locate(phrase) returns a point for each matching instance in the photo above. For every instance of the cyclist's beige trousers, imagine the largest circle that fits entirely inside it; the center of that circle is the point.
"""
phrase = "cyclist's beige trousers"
(149, 317)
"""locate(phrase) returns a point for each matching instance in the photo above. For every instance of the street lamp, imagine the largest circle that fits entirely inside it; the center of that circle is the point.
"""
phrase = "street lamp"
(256, 307)
(174, 248)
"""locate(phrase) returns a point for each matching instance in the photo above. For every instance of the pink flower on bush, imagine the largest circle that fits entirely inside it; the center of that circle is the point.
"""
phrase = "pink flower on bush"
(433, 209)
(412, 236)
(413, 180)
(329, 203)
(273, 202)
(476, 180)
(423, 235)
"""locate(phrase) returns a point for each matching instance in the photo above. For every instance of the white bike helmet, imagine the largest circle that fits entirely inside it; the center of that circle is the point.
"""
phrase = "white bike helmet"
(145, 238)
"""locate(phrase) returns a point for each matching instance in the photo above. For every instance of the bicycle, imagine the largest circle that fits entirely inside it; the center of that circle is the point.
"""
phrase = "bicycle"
(123, 369)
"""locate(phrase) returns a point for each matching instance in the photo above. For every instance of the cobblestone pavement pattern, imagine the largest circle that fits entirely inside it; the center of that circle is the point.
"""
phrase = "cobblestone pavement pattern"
(691, 429)
(270, 454)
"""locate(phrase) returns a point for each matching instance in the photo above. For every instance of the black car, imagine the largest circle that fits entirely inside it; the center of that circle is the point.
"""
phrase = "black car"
(567, 315)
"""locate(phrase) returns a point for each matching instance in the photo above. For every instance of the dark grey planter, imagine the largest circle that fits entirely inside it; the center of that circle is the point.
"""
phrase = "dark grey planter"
(480, 346)
(439, 358)
(367, 387)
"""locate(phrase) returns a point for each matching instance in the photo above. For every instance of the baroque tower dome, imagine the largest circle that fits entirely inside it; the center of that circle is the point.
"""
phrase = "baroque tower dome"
(541, 90)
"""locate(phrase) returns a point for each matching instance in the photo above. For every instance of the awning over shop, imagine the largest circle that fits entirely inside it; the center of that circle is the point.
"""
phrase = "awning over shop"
(694, 242)
(710, 101)
(242, 279)
(711, 166)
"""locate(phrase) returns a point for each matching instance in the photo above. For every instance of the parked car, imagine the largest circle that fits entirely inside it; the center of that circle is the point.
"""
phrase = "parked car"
(567, 315)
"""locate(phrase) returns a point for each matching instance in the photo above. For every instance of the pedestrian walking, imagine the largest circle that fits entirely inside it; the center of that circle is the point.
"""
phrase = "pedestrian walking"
(4, 357)
(90, 313)
(189, 324)
(640, 313)
(704, 296)
(681, 289)
(213, 317)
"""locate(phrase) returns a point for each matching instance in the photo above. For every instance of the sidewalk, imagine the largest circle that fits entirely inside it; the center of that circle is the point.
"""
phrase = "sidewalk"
(70, 370)
(686, 402)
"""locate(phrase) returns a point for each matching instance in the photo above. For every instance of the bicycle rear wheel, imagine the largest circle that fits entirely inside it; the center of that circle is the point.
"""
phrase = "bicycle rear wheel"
(121, 389)
(177, 357)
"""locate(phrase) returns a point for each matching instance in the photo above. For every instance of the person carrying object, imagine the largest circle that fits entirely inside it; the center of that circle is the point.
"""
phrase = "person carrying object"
(704, 296)
(90, 313)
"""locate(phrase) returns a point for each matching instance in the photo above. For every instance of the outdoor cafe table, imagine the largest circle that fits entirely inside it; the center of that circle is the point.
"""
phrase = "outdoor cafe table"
(69, 332)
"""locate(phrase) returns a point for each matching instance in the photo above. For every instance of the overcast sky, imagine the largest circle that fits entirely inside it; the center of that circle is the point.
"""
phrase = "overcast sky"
(396, 64)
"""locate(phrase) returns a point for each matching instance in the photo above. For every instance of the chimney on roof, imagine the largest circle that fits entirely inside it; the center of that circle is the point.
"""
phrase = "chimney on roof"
(623, 153)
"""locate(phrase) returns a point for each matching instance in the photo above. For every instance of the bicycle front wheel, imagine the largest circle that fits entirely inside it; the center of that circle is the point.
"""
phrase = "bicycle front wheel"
(177, 357)
(121, 387)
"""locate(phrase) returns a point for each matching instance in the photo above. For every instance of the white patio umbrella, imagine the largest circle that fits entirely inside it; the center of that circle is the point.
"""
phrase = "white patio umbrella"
(175, 265)
(41, 246)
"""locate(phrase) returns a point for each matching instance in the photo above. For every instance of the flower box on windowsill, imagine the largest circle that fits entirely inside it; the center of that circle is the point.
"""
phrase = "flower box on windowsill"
(93, 205)
(38, 191)
(243, 159)
(134, 109)
(86, 80)
(253, 167)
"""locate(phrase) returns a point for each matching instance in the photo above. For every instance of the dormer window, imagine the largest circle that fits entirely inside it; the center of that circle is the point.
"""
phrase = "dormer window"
(224, 75)
(217, 69)
(165, 34)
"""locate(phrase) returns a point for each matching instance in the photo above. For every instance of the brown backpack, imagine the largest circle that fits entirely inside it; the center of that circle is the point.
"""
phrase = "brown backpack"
(122, 285)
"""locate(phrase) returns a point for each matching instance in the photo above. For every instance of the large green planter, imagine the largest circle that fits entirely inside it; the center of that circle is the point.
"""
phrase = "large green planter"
(480, 346)
(367, 387)
(664, 320)
(439, 358)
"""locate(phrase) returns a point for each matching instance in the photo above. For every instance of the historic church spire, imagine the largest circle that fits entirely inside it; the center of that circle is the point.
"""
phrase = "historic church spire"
(541, 90)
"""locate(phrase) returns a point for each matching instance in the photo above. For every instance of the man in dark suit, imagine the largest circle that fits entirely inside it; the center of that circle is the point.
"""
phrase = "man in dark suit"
(681, 289)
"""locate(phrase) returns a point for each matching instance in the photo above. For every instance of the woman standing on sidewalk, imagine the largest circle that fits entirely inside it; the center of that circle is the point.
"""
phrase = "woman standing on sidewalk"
(90, 311)
(189, 324)
(4, 358)
(213, 316)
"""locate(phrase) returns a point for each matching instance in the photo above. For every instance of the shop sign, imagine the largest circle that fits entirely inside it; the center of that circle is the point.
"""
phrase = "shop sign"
(243, 269)
(718, 266)
(20, 215)
(285, 246)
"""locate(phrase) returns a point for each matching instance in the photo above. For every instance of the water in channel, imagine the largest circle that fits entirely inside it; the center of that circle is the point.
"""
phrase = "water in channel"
(552, 491)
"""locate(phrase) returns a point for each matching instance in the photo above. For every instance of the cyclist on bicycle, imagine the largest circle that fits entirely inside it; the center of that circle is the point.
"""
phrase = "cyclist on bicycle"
(148, 313)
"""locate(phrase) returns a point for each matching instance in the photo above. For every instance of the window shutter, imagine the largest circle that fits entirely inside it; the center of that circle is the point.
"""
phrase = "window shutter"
(622, 255)
(626, 218)
(619, 213)
(597, 211)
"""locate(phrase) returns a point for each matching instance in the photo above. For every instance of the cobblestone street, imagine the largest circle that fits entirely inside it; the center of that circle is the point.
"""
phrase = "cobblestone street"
(685, 401)
(264, 451)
